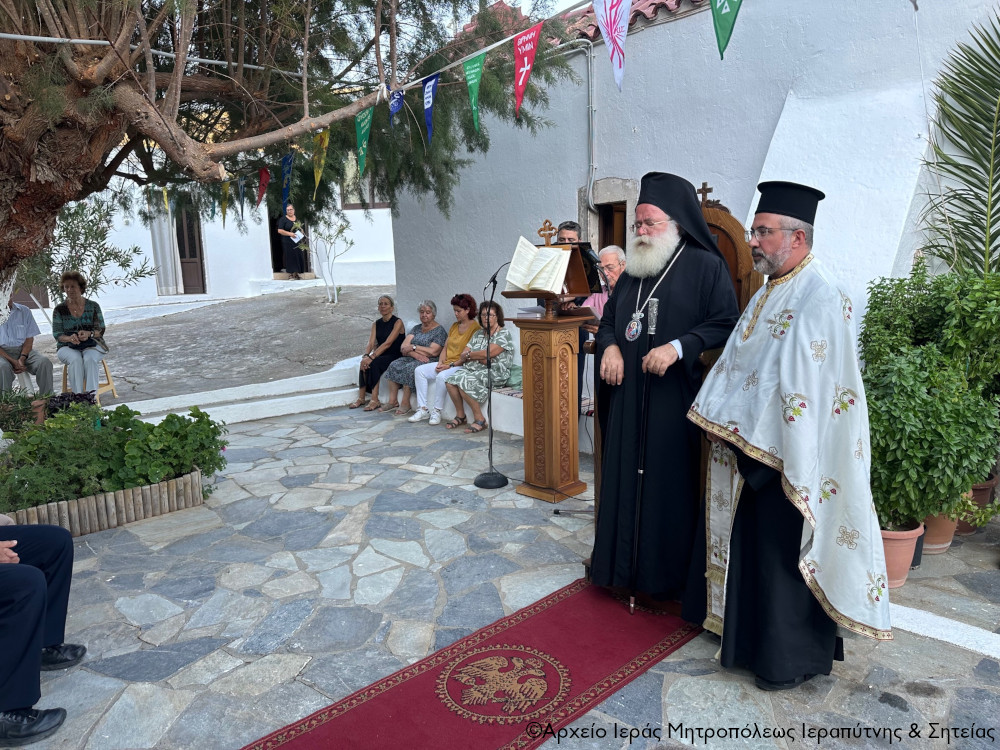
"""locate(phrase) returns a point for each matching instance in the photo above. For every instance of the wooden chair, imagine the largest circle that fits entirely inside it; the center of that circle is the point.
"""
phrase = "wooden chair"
(107, 385)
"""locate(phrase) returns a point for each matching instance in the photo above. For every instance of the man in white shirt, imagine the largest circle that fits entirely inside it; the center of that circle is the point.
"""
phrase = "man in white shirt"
(17, 355)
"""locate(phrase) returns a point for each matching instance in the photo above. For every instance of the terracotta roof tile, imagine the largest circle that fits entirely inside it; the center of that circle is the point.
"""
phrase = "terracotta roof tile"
(583, 24)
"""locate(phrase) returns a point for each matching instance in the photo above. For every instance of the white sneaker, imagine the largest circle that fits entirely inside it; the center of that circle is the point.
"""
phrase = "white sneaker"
(435, 416)
(419, 414)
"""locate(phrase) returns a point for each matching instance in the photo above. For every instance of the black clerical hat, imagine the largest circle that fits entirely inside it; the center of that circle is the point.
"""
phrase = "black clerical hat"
(789, 199)
(677, 198)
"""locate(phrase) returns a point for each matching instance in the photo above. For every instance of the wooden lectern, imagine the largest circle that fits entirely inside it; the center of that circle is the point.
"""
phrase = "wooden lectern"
(549, 348)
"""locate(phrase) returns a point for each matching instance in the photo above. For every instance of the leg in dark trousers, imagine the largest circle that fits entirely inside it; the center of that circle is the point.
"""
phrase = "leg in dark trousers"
(773, 624)
(34, 595)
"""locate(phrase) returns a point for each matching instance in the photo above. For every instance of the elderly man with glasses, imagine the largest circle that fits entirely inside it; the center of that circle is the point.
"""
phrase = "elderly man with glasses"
(795, 554)
(672, 258)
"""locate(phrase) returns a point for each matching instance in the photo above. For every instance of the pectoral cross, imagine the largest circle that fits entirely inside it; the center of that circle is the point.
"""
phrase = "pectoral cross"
(703, 191)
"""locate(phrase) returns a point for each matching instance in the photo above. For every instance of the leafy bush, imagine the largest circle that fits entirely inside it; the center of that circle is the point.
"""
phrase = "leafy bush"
(932, 435)
(15, 410)
(83, 450)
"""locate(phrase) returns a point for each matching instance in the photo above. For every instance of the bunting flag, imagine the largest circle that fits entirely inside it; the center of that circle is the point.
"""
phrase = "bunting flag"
(241, 191)
(265, 178)
(166, 205)
(395, 104)
(430, 88)
(724, 14)
(525, 47)
(286, 178)
(225, 201)
(320, 142)
(473, 75)
(612, 20)
(211, 214)
(362, 127)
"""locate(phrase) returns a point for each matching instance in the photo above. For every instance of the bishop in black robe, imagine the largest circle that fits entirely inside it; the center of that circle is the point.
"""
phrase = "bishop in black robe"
(698, 309)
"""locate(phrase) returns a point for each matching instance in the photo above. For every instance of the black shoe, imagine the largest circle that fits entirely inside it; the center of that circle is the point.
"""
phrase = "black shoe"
(22, 726)
(763, 684)
(63, 656)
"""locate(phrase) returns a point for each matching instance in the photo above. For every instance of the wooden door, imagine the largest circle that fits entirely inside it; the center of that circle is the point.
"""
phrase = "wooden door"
(189, 248)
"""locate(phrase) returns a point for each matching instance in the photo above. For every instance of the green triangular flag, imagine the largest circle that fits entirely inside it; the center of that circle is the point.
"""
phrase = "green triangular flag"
(724, 14)
(473, 75)
(363, 125)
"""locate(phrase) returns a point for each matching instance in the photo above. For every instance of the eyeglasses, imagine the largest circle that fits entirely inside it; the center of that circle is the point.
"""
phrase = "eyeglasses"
(762, 232)
(610, 266)
(648, 223)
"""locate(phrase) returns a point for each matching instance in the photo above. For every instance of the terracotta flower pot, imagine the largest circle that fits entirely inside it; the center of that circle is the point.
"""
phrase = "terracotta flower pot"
(899, 553)
(939, 535)
(39, 406)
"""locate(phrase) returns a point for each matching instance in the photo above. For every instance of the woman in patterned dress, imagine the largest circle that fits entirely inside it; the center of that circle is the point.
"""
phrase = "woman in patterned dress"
(468, 383)
(421, 346)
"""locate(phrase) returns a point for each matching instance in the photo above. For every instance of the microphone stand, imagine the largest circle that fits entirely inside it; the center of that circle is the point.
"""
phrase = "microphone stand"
(491, 479)
(654, 304)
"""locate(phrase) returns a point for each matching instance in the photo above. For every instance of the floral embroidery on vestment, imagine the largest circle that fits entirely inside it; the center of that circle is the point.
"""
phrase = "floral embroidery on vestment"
(844, 400)
(876, 586)
(827, 489)
(751, 381)
(780, 323)
(720, 366)
(860, 452)
(846, 306)
(794, 404)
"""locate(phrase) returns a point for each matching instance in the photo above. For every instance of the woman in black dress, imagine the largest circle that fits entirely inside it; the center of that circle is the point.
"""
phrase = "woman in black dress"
(288, 225)
(383, 347)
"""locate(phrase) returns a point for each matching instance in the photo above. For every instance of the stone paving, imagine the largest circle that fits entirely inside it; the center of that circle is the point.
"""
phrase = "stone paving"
(339, 547)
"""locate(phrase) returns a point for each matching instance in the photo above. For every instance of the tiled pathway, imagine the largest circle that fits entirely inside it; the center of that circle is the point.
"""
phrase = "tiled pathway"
(340, 546)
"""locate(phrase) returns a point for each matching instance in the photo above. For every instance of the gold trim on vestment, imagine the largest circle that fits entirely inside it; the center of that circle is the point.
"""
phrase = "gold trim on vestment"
(771, 284)
(769, 459)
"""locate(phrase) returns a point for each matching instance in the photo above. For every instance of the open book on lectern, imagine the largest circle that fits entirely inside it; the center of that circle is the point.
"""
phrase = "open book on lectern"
(537, 269)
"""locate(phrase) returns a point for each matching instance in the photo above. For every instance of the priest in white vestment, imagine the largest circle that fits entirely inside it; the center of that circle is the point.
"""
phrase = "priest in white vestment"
(793, 554)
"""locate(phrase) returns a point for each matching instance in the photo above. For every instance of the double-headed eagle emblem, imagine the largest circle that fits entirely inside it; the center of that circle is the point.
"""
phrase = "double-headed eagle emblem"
(489, 680)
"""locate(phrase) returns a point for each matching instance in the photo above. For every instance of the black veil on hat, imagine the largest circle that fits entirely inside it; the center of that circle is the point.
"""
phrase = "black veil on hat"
(789, 199)
(677, 198)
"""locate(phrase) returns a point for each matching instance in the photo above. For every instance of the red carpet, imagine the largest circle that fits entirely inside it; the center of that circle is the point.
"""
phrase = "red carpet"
(500, 687)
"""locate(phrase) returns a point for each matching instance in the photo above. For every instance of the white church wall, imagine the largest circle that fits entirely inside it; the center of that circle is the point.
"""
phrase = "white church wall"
(237, 262)
(853, 75)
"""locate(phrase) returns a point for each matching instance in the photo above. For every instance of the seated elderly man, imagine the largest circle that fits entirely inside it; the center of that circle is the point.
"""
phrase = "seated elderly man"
(17, 355)
(36, 569)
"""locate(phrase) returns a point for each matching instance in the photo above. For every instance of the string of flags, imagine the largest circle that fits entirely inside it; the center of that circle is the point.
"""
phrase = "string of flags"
(612, 20)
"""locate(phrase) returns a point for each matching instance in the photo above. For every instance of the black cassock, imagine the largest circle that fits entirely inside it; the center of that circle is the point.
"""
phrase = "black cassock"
(697, 305)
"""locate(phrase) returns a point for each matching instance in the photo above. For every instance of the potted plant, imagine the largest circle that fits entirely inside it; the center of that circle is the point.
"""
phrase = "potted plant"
(962, 225)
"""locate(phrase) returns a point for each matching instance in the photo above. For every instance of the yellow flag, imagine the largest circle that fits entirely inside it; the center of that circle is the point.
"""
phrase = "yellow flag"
(320, 142)
(225, 201)
(166, 206)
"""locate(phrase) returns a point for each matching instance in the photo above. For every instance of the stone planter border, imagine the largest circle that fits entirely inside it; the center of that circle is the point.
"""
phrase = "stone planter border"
(109, 510)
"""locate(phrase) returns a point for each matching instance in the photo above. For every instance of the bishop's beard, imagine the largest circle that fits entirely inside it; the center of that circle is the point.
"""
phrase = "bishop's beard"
(648, 256)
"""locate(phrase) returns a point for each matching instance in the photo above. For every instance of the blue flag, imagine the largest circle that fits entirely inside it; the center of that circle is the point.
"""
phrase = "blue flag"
(395, 104)
(241, 188)
(430, 88)
(286, 177)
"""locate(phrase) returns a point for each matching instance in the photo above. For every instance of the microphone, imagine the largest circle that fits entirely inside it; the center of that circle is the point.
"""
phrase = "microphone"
(493, 278)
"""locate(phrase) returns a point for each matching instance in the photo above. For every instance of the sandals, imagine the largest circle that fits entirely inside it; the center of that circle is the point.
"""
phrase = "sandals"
(357, 404)
(478, 426)
(401, 412)
(388, 407)
(456, 422)
(373, 405)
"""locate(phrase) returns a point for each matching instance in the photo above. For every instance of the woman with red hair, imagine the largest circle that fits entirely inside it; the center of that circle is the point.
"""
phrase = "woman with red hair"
(464, 307)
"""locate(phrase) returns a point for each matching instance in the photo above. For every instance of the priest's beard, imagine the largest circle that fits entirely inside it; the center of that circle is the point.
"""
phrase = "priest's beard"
(769, 265)
(648, 256)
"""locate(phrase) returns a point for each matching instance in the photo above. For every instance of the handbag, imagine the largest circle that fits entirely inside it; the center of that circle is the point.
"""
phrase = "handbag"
(95, 340)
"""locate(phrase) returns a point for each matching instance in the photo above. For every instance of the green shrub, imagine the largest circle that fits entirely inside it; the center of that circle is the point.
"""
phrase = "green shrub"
(84, 450)
(932, 435)
(16, 411)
